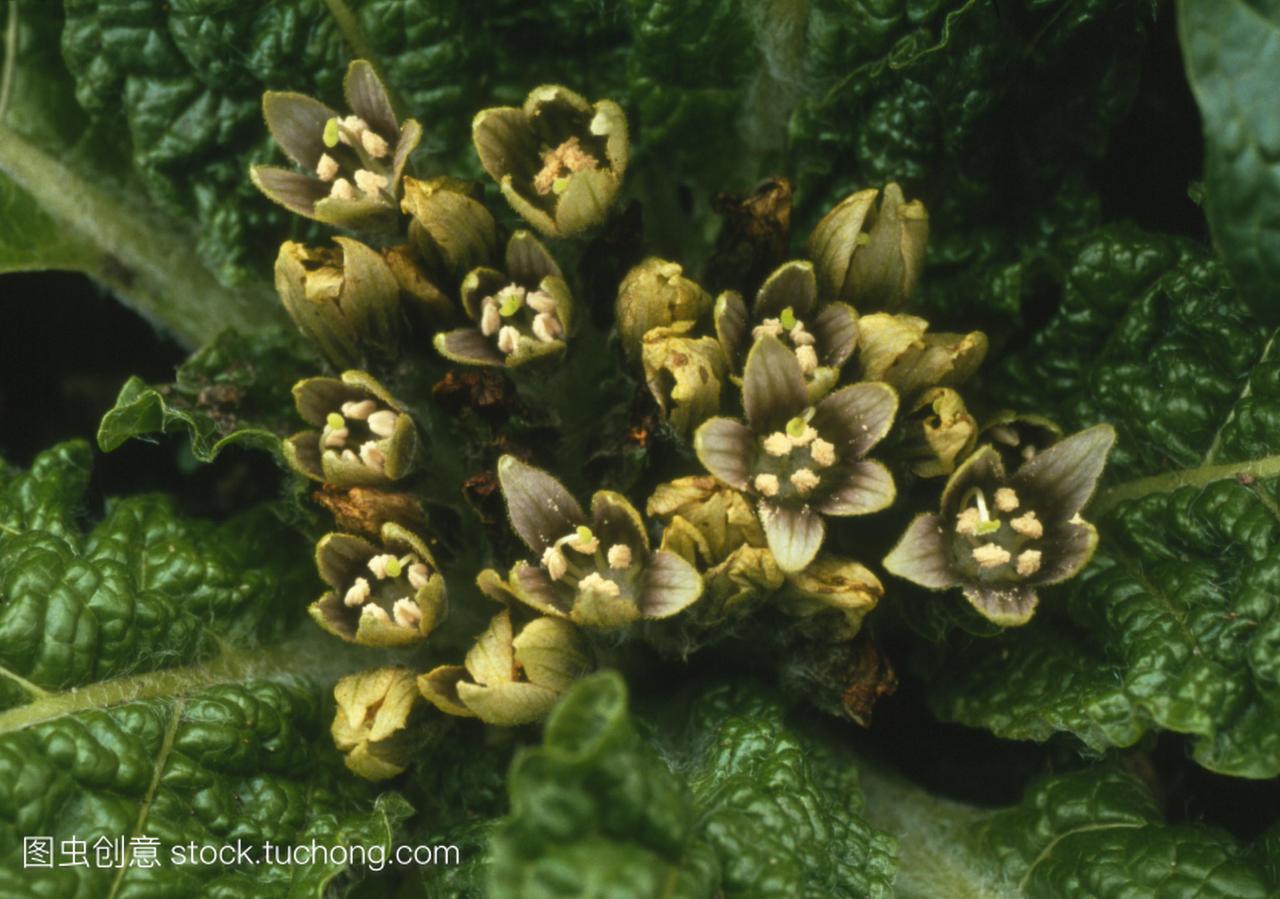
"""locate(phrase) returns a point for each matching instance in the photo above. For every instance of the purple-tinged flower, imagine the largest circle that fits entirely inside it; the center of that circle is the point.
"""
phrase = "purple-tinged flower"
(353, 164)
(799, 460)
(999, 537)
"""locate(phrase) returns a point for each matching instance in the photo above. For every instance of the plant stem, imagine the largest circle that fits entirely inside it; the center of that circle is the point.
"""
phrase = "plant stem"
(152, 268)
(1266, 467)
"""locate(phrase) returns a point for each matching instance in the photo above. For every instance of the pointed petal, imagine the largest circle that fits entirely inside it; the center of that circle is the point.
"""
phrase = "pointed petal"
(982, 469)
(773, 388)
(726, 448)
(528, 261)
(670, 585)
(528, 209)
(534, 587)
(836, 331)
(358, 215)
(368, 99)
(302, 453)
(508, 705)
(505, 142)
(1061, 478)
(610, 122)
(730, 318)
(480, 283)
(467, 346)
(491, 660)
(791, 284)
(1007, 607)
(410, 137)
(864, 487)
(794, 535)
(1067, 549)
(293, 190)
(856, 417)
(541, 509)
(296, 121)
(615, 520)
(340, 558)
(921, 555)
(439, 686)
(834, 240)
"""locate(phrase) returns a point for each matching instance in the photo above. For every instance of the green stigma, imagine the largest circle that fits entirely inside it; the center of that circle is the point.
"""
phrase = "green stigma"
(863, 239)
(511, 304)
(795, 427)
(559, 186)
(331, 133)
(335, 421)
(393, 568)
(788, 318)
(584, 534)
(982, 528)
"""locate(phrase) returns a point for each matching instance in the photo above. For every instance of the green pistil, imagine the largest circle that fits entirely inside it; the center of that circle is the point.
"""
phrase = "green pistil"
(334, 421)
(982, 528)
(511, 304)
(393, 568)
(331, 133)
(795, 427)
(584, 534)
(788, 318)
(559, 186)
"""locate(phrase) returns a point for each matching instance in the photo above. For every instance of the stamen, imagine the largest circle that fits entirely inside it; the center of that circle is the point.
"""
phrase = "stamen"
(1028, 526)
(546, 327)
(770, 327)
(342, 190)
(419, 575)
(370, 182)
(490, 319)
(564, 160)
(406, 611)
(800, 337)
(823, 453)
(804, 480)
(510, 300)
(777, 444)
(619, 556)
(374, 144)
(373, 458)
(354, 126)
(555, 562)
(334, 438)
(967, 522)
(359, 410)
(507, 336)
(1028, 562)
(598, 584)
(358, 593)
(1006, 499)
(327, 167)
(808, 359)
(583, 541)
(381, 564)
(767, 484)
(349, 456)
(991, 555)
(383, 422)
(376, 612)
(540, 301)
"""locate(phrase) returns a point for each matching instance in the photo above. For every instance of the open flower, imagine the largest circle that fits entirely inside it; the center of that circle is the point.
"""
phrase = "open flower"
(520, 315)
(878, 268)
(511, 678)
(598, 571)
(365, 438)
(370, 720)
(346, 300)
(999, 537)
(786, 307)
(352, 163)
(386, 594)
(1018, 436)
(800, 461)
(559, 160)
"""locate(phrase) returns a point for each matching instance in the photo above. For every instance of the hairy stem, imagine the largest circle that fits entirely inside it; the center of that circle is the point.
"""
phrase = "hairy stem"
(148, 264)
(1266, 467)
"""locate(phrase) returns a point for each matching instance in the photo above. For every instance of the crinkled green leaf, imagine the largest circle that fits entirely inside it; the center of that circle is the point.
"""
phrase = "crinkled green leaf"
(1232, 54)
(734, 802)
(1176, 622)
(147, 691)
(236, 390)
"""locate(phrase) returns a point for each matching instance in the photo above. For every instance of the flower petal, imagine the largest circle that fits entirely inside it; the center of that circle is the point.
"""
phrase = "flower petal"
(791, 284)
(541, 509)
(293, 190)
(834, 241)
(921, 555)
(505, 142)
(585, 201)
(552, 653)
(670, 585)
(534, 587)
(296, 121)
(491, 659)
(1061, 478)
(982, 469)
(730, 318)
(480, 283)
(726, 448)
(836, 330)
(509, 704)
(368, 99)
(1067, 549)
(468, 346)
(1007, 607)
(794, 535)
(439, 686)
(856, 417)
(410, 137)
(773, 389)
(615, 520)
(528, 261)
(864, 487)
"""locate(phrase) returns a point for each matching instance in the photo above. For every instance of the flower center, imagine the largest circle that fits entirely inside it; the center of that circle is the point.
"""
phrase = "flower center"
(581, 560)
(793, 460)
(791, 331)
(391, 594)
(364, 425)
(516, 315)
(561, 162)
(997, 542)
(356, 164)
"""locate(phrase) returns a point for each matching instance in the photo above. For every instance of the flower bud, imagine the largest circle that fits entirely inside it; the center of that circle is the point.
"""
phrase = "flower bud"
(685, 374)
(876, 268)
(451, 230)
(655, 294)
(369, 724)
(938, 433)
